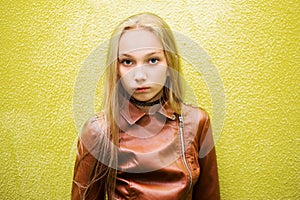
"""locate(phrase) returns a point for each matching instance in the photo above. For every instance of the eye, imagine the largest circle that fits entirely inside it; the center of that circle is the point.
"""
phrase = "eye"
(153, 60)
(126, 62)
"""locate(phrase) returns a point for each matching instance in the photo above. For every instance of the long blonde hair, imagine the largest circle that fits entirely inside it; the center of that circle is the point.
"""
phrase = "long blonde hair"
(172, 90)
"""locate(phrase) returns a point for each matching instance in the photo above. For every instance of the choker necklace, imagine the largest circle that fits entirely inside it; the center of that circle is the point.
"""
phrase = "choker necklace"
(145, 103)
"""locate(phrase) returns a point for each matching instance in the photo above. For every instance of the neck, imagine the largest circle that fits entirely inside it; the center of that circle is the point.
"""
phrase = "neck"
(145, 103)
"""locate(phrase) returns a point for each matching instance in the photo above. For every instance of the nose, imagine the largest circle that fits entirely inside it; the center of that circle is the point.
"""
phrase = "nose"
(140, 74)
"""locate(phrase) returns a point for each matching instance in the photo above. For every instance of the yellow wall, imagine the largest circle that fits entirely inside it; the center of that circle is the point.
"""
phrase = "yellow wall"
(253, 44)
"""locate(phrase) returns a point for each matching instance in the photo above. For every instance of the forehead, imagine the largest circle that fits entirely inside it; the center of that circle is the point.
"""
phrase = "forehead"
(138, 39)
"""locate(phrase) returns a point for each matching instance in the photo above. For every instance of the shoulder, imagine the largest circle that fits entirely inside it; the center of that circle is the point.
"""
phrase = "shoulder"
(194, 113)
(93, 130)
(195, 119)
(197, 123)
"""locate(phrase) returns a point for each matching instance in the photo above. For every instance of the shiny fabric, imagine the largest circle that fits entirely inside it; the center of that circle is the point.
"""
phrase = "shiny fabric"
(151, 164)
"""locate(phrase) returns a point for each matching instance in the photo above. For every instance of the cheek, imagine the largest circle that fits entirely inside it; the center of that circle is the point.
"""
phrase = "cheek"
(124, 80)
(126, 75)
(165, 72)
(161, 76)
(122, 72)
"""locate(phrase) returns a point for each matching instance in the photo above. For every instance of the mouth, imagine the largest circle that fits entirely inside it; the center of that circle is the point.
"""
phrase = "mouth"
(141, 89)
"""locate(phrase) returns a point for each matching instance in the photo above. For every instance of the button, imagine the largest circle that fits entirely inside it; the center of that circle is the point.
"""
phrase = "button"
(173, 117)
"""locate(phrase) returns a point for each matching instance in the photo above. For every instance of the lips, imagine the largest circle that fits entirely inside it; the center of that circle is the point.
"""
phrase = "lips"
(141, 89)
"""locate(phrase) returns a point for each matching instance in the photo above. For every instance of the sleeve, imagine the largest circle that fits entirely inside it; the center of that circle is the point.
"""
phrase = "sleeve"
(84, 166)
(207, 186)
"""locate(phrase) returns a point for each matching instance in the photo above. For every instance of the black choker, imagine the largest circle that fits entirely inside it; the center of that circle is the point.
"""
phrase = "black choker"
(145, 103)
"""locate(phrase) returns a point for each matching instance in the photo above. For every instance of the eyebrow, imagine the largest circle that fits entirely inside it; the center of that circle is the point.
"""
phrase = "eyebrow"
(147, 55)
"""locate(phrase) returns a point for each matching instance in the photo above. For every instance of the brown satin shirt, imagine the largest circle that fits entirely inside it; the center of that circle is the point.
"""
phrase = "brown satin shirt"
(156, 160)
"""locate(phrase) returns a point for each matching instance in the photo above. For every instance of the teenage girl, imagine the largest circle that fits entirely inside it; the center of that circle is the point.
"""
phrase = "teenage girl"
(146, 144)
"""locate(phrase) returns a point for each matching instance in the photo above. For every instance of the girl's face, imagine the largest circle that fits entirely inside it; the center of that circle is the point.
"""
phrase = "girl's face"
(142, 64)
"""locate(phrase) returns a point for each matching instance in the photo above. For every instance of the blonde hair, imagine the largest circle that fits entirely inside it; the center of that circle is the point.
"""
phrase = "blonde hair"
(172, 90)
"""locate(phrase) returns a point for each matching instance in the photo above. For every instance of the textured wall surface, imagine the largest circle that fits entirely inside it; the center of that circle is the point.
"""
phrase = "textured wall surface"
(253, 44)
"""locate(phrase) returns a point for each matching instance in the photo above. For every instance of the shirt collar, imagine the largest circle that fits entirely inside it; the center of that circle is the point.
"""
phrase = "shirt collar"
(132, 114)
